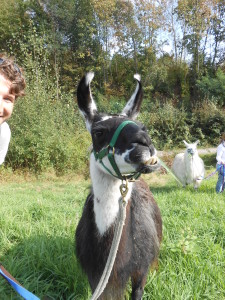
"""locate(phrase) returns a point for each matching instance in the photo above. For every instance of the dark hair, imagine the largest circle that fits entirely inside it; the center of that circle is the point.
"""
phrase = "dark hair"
(13, 73)
(222, 137)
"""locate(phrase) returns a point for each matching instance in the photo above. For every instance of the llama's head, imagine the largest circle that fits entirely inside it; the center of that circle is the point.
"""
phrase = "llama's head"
(191, 149)
(118, 137)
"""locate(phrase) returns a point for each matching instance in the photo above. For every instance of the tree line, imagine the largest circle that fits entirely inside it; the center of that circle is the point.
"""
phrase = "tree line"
(176, 45)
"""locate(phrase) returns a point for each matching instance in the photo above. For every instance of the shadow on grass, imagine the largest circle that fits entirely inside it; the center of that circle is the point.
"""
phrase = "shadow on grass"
(47, 267)
(165, 189)
(204, 188)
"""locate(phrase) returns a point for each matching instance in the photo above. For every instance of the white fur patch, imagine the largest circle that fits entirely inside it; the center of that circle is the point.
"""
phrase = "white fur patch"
(88, 125)
(137, 77)
(92, 105)
(104, 119)
(106, 196)
(124, 167)
(88, 78)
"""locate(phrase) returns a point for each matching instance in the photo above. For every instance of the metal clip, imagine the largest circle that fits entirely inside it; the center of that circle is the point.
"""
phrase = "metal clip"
(124, 189)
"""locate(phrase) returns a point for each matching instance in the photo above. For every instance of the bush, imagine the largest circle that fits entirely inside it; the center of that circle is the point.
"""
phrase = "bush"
(167, 125)
(210, 119)
(46, 125)
(213, 88)
(47, 133)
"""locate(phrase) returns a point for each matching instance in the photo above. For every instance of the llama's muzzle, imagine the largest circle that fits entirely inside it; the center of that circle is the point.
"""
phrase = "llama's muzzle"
(152, 161)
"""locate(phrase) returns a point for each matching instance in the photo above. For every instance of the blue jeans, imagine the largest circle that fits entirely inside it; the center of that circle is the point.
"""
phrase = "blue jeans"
(220, 181)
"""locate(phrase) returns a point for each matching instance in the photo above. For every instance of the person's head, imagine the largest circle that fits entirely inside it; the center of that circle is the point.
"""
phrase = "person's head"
(223, 137)
(12, 85)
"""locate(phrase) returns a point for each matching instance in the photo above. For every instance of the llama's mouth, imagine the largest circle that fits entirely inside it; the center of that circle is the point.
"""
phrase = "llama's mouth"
(148, 169)
(150, 165)
(153, 160)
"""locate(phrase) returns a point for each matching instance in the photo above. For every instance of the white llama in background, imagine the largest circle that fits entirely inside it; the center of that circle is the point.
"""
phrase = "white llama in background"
(188, 166)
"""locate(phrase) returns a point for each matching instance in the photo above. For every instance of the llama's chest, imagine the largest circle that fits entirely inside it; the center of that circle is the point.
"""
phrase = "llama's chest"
(106, 204)
(194, 167)
(106, 195)
(106, 210)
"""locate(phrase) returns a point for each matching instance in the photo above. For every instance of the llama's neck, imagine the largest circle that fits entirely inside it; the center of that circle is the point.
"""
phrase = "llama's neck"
(106, 196)
(193, 166)
(191, 157)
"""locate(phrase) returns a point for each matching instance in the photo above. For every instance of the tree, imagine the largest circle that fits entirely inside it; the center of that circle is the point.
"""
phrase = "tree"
(103, 13)
(151, 18)
(127, 31)
(196, 16)
(14, 19)
(217, 29)
(213, 87)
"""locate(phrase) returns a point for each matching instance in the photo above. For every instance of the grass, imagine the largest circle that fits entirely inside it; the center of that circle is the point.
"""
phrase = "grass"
(38, 218)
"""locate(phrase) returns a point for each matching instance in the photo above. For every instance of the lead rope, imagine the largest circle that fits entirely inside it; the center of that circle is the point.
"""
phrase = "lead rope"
(115, 243)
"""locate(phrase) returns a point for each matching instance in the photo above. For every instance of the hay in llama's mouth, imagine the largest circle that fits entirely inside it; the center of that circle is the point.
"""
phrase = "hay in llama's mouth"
(153, 160)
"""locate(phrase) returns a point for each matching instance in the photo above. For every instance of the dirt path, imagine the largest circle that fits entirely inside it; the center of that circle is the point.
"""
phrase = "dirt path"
(207, 151)
(173, 153)
(168, 156)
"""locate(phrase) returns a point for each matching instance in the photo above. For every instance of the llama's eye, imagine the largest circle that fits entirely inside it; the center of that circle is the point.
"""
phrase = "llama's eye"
(99, 133)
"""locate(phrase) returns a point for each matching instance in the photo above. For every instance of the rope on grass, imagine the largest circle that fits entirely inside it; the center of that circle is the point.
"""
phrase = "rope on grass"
(170, 172)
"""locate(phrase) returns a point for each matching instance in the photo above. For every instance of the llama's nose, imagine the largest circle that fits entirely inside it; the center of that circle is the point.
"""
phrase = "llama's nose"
(143, 139)
(152, 150)
(190, 151)
(146, 141)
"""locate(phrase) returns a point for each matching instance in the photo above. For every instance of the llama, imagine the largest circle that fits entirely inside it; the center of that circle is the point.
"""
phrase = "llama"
(188, 166)
(133, 154)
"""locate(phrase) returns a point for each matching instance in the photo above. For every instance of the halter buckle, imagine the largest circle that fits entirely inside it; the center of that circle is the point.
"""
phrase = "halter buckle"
(124, 189)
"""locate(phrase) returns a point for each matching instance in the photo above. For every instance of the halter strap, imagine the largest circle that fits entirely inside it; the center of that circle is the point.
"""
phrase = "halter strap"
(110, 152)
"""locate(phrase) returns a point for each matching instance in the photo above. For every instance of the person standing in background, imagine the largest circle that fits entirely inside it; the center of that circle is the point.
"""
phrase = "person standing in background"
(220, 166)
(12, 85)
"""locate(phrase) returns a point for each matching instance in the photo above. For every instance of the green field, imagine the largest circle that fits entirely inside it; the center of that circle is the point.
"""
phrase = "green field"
(38, 218)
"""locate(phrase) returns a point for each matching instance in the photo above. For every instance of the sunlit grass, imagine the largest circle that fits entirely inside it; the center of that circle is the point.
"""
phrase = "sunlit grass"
(192, 257)
(38, 218)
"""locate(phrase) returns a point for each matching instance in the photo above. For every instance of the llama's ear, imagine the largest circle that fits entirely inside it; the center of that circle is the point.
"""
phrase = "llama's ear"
(186, 144)
(133, 106)
(85, 101)
(196, 143)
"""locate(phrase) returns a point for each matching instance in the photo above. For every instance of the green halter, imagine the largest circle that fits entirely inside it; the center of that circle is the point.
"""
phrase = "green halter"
(106, 152)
